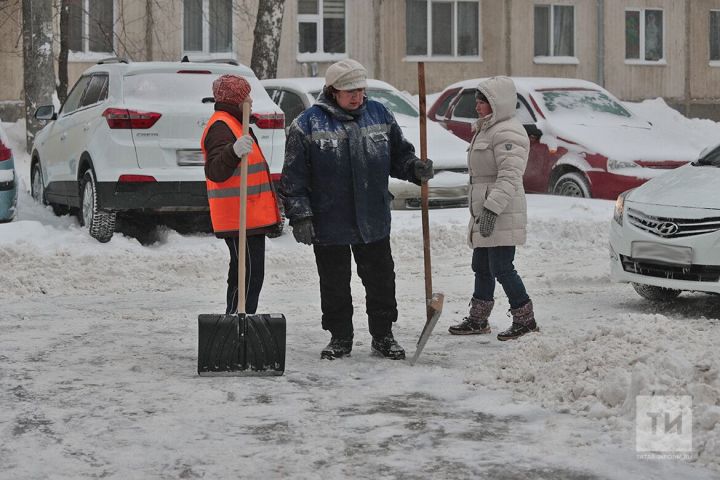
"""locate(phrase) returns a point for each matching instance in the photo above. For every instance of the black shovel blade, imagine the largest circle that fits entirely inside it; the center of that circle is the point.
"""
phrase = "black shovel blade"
(241, 345)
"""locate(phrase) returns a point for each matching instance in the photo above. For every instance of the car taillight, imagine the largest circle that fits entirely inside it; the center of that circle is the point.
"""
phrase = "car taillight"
(122, 118)
(136, 178)
(5, 152)
(269, 120)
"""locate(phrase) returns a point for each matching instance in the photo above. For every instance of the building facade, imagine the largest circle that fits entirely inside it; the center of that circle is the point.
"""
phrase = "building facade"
(637, 49)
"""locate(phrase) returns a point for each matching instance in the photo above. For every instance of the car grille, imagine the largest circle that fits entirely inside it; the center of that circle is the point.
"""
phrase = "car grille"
(693, 273)
(666, 227)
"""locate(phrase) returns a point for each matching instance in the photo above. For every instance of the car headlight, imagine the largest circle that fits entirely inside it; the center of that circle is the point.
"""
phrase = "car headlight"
(618, 164)
(620, 207)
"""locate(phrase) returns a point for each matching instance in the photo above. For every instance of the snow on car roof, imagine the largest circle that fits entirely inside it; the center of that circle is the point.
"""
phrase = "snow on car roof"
(312, 84)
(160, 67)
(533, 83)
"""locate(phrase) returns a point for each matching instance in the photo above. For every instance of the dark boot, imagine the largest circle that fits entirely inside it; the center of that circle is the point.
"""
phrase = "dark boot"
(337, 348)
(388, 347)
(523, 322)
(477, 322)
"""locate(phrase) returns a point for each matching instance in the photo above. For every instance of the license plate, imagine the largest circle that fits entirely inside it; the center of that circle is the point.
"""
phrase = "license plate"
(661, 253)
(189, 157)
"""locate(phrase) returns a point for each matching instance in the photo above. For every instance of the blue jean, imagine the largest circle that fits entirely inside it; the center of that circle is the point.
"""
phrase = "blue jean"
(490, 263)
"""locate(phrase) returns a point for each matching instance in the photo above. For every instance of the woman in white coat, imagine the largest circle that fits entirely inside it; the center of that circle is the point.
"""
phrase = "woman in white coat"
(497, 157)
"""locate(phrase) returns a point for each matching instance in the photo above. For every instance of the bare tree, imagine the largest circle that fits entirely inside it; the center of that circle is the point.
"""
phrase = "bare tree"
(266, 42)
(62, 87)
(38, 72)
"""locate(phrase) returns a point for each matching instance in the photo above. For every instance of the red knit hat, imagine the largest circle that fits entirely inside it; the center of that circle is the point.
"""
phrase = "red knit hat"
(232, 89)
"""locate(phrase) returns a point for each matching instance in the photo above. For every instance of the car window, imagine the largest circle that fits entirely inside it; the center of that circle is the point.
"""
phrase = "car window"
(96, 90)
(442, 108)
(522, 113)
(465, 106)
(712, 158)
(73, 99)
(578, 101)
(393, 102)
(292, 105)
(273, 94)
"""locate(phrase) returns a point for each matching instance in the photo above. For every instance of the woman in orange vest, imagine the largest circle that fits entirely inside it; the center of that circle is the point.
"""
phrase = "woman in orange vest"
(224, 143)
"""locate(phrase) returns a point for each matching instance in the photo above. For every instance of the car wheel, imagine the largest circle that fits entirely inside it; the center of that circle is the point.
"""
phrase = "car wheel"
(655, 294)
(37, 188)
(100, 223)
(572, 184)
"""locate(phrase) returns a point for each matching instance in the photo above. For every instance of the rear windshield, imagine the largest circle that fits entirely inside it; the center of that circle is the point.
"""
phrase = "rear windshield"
(579, 101)
(175, 88)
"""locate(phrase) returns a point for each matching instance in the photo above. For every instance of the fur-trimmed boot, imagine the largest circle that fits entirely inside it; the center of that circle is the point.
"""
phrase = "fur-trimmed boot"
(476, 323)
(523, 322)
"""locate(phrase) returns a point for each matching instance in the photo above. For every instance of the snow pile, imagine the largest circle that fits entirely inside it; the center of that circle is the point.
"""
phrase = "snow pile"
(599, 374)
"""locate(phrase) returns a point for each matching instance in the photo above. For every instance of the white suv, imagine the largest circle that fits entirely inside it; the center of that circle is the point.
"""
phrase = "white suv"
(127, 141)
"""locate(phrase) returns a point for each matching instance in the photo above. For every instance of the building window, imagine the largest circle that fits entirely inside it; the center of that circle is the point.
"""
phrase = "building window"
(714, 35)
(644, 35)
(90, 26)
(321, 27)
(207, 26)
(554, 31)
(442, 28)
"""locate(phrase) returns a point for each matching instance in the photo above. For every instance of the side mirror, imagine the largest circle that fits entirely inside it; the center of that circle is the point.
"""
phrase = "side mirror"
(46, 112)
(532, 130)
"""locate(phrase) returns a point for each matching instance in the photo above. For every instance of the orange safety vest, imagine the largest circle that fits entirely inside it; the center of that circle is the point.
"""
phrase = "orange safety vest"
(224, 197)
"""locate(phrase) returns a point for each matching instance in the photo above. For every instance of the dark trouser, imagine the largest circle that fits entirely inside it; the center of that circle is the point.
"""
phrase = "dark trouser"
(497, 262)
(375, 268)
(254, 273)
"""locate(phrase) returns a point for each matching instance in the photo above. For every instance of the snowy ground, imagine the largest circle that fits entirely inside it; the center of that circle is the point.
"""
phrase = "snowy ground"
(98, 354)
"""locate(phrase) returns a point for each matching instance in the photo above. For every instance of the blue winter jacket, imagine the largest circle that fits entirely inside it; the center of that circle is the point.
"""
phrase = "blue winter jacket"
(337, 165)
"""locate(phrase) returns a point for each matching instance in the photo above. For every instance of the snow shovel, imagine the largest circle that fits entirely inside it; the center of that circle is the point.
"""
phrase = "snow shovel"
(241, 344)
(434, 301)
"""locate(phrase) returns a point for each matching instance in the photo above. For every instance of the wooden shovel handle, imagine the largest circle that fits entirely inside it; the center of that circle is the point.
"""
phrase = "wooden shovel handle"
(242, 233)
(424, 189)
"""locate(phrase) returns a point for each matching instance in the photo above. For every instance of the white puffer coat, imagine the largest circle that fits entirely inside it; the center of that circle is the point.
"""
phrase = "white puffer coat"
(497, 157)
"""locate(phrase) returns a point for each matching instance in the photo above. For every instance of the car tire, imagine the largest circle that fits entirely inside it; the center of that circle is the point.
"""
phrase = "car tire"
(656, 294)
(100, 223)
(572, 184)
(37, 187)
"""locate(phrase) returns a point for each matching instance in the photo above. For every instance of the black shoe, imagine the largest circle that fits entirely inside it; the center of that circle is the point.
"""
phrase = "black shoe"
(337, 348)
(469, 327)
(387, 347)
(517, 330)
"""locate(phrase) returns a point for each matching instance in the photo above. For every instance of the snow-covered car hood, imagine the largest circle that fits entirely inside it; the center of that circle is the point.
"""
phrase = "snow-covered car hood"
(443, 148)
(624, 142)
(687, 186)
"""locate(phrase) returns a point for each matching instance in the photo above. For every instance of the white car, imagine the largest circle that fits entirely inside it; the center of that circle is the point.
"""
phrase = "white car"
(665, 234)
(127, 141)
(449, 186)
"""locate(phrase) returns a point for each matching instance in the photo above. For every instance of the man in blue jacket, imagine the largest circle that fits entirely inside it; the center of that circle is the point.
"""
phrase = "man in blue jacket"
(339, 155)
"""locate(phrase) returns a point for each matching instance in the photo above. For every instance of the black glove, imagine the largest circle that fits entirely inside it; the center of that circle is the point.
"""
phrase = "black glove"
(423, 170)
(303, 231)
(486, 222)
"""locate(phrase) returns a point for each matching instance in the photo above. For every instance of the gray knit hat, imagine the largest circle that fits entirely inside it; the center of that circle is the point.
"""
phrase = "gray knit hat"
(346, 75)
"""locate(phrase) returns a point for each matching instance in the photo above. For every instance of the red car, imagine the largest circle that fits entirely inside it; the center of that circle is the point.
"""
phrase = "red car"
(583, 141)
